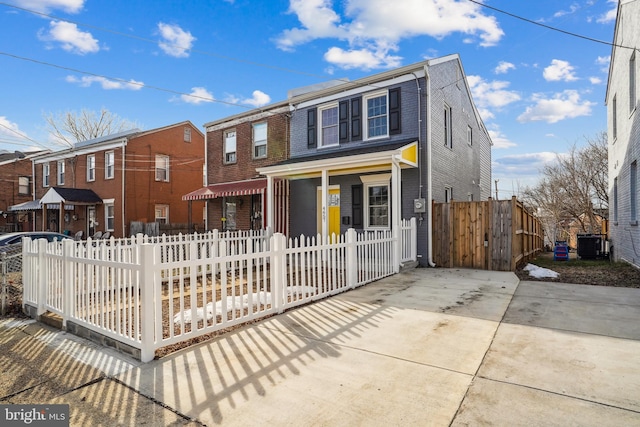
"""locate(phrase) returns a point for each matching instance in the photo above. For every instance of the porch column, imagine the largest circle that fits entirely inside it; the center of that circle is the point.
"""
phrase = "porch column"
(324, 195)
(270, 220)
(396, 174)
(61, 217)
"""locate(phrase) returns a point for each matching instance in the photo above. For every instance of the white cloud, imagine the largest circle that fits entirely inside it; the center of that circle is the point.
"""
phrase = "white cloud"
(559, 71)
(504, 67)
(527, 164)
(45, 6)
(106, 84)
(595, 80)
(491, 95)
(500, 140)
(176, 41)
(563, 105)
(197, 96)
(9, 128)
(70, 38)
(372, 29)
(258, 99)
(609, 16)
(604, 61)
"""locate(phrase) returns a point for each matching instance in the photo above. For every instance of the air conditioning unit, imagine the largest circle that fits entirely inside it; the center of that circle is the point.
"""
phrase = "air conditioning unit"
(419, 206)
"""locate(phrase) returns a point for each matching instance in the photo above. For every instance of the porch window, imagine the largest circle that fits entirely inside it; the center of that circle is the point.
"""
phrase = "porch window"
(376, 115)
(60, 172)
(109, 165)
(229, 219)
(328, 125)
(91, 167)
(162, 214)
(162, 168)
(377, 201)
(109, 215)
(45, 175)
(230, 147)
(259, 140)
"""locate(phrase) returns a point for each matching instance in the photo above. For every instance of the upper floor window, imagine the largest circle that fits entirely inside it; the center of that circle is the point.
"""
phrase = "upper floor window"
(91, 167)
(469, 135)
(328, 125)
(614, 118)
(632, 82)
(109, 165)
(45, 174)
(23, 185)
(204, 175)
(230, 146)
(448, 134)
(162, 168)
(376, 112)
(187, 134)
(259, 140)
(60, 172)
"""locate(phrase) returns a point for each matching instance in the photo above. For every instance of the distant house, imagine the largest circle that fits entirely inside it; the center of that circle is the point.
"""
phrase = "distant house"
(106, 184)
(16, 190)
(623, 129)
(235, 147)
(367, 153)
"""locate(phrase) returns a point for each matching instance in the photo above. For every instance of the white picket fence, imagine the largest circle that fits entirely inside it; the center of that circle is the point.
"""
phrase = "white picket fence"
(153, 292)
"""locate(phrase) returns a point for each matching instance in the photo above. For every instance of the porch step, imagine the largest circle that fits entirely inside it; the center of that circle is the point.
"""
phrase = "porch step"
(52, 319)
(408, 265)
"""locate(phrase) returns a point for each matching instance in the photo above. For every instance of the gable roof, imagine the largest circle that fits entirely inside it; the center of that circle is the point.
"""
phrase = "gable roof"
(76, 196)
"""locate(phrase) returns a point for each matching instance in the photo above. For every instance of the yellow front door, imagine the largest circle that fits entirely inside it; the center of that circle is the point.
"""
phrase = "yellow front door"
(333, 214)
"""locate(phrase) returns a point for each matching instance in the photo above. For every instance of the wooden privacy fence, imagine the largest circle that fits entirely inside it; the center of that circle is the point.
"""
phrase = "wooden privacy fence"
(489, 235)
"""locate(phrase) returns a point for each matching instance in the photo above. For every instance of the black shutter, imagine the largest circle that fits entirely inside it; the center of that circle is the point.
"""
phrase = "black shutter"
(311, 128)
(343, 120)
(356, 119)
(394, 111)
(356, 205)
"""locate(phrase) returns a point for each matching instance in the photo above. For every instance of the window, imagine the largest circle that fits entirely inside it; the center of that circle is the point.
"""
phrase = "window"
(60, 172)
(204, 175)
(328, 125)
(632, 82)
(448, 135)
(91, 167)
(229, 219)
(230, 147)
(45, 175)
(469, 135)
(162, 214)
(377, 201)
(109, 165)
(448, 194)
(614, 118)
(376, 115)
(187, 134)
(109, 214)
(23, 185)
(162, 168)
(259, 140)
(615, 200)
(633, 188)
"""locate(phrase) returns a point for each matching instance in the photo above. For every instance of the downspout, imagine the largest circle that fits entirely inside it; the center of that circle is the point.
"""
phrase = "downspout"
(124, 144)
(34, 216)
(429, 178)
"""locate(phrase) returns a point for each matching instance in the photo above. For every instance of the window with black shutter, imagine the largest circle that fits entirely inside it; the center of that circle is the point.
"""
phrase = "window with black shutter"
(394, 111)
(343, 117)
(311, 128)
(356, 205)
(356, 119)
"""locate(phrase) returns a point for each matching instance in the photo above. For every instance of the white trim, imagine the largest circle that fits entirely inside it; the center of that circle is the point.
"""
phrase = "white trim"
(378, 180)
(322, 108)
(365, 114)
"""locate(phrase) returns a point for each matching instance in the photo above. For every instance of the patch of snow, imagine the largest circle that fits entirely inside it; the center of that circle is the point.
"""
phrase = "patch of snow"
(539, 272)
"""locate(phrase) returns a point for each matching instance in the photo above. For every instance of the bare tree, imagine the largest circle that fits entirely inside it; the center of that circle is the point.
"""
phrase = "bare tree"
(574, 186)
(70, 127)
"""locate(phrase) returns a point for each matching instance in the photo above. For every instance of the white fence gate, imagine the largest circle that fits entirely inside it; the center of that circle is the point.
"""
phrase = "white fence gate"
(148, 293)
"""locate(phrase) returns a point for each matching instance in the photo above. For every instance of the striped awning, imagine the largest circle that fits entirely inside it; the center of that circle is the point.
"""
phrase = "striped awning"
(227, 189)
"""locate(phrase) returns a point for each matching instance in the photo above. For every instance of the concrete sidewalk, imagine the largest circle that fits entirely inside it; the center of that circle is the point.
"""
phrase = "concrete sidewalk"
(426, 347)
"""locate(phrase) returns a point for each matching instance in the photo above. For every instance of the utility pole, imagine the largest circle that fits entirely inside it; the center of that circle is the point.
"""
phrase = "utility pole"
(497, 189)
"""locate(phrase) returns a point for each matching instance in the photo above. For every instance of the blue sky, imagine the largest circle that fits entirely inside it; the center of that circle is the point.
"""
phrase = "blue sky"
(156, 63)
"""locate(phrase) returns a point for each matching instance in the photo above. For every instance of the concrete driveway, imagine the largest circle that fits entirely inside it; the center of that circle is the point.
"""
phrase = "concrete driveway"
(426, 347)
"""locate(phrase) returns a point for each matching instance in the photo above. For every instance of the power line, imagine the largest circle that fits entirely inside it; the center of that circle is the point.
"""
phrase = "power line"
(22, 136)
(549, 27)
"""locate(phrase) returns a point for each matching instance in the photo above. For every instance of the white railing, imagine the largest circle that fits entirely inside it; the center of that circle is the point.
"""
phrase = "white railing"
(150, 293)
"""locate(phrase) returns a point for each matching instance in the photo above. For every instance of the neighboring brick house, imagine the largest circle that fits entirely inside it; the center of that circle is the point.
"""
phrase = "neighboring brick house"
(623, 132)
(107, 183)
(16, 191)
(367, 153)
(235, 147)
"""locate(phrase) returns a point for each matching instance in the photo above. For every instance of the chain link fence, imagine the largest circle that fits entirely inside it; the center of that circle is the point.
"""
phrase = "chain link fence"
(11, 280)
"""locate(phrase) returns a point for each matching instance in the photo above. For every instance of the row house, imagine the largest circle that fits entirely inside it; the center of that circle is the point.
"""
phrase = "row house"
(235, 147)
(623, 135)
(360, 154)
(107, 184)
(16, 191)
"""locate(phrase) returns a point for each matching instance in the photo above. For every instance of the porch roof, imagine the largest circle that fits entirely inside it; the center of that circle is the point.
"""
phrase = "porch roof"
(73, 196)
(358, 160)
(31, 205)
(226, 189)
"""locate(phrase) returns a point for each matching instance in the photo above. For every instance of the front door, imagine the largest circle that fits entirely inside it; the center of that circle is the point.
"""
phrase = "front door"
(91, 220)
(333, 214)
